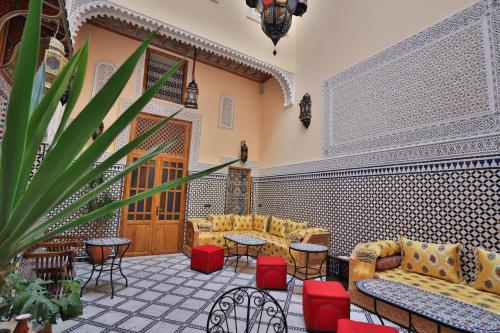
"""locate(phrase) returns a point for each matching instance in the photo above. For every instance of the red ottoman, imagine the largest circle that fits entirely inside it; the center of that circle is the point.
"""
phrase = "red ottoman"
(207, 258)
(271, 273)
(324, 303)
(349, 326)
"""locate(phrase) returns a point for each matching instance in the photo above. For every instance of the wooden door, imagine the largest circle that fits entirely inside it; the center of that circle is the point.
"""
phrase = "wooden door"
(155, 225)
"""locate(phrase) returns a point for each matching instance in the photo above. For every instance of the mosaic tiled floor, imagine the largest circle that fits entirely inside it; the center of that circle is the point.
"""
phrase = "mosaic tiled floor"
(165, 296)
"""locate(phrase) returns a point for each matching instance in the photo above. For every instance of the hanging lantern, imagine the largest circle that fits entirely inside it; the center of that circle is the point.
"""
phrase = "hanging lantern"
(52, 53)
(276, 16)
(192, 90)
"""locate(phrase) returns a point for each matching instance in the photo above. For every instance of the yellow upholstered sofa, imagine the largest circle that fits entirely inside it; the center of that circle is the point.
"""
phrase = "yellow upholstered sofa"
(362, 265)
(277, 232)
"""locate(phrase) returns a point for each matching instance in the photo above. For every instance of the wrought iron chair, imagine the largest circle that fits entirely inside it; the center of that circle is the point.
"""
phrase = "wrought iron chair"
(256, 306)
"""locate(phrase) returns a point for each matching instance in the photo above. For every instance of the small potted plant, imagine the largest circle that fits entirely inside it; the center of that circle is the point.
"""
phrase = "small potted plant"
(97, 254)
(20, 296)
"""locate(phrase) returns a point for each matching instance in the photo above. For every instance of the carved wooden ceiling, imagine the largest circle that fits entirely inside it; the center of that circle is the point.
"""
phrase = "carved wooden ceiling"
(180, 48)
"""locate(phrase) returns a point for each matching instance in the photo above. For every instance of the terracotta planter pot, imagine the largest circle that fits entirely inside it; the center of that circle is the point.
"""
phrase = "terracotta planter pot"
(96, 254)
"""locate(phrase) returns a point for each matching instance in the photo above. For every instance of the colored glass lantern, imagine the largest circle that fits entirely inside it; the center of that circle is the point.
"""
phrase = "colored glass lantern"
(276, 16)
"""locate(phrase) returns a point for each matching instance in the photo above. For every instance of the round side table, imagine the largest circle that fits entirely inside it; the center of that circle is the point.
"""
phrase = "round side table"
(307, 248)
(115, 243)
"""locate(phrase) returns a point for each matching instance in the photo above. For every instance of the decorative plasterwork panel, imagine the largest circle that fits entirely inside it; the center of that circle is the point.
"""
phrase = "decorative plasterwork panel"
(430, 97)
(165, 109)
(102, 72)
(83, 10)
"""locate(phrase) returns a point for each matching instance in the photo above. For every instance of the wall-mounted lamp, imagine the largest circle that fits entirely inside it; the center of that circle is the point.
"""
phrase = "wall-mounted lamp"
(244, 151)
(98, 131)
(305, 110)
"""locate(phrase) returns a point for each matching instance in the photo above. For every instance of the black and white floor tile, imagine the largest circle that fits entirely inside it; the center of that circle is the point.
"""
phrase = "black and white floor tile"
(164, 295)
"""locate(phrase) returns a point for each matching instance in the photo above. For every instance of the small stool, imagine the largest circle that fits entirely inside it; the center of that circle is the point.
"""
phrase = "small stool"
(207, 258)
(349, 326)
(323, 304)
(271, 272)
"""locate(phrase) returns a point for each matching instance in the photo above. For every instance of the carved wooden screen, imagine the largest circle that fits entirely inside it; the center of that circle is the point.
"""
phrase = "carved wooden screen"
(158, 64)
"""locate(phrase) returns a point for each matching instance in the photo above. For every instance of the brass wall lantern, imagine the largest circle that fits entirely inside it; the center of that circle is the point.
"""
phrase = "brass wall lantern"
(305, 110)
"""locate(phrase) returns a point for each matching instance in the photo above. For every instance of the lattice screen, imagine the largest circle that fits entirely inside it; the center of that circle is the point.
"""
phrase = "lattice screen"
(157, 66)
(164, 135)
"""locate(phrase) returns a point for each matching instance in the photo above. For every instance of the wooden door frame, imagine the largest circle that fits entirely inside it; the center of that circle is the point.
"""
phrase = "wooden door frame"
(126, 186)
(249, 185)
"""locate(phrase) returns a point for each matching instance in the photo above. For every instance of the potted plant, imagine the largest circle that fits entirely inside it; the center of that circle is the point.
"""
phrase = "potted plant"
(70, 163)
(21, 296)
(98, 255)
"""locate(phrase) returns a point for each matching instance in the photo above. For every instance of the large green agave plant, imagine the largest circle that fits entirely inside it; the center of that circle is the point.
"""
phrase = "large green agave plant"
(68, 165)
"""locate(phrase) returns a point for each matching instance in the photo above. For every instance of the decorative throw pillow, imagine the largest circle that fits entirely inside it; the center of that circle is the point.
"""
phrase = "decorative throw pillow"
(278, 227)
(385, 248)
(221, 222)
(487, 271)
(294, 226)
(386, 263)
(242, 222)
(437, 260)
(296, 236)
(260, 223)
(203, 225)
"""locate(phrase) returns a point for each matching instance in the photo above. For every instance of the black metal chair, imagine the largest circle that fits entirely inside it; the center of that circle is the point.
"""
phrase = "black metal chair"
(246, 310)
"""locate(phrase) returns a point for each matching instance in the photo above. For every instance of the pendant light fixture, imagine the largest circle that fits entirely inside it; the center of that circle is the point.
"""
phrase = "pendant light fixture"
(276, 16)
(192, 89)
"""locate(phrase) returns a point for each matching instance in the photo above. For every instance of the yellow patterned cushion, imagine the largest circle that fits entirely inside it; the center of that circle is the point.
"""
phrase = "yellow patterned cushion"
(242, 222)
(384, 248)
(260, 223)
(487, 271)
(278, 227)
(211, 238)
(205, 226)
(221, 222)
(461, 292)
(436, 260)
(294, 226)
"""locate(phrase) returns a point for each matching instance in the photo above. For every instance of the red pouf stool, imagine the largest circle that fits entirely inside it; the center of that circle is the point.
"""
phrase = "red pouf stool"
(349, 326)
(324, 303)
(271, 272)
(207, 258)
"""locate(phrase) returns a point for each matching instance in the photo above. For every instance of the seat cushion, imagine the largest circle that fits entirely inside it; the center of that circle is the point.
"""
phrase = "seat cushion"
(279, 227)
(270, 261)
(242, 222)
(459, 291)
(437, 260)
(487, 271)
(349, 326)
(325, 289)
(221, 222)
(208, 249)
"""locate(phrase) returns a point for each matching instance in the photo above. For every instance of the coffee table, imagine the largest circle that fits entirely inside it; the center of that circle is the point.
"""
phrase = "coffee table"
(244, 240)
(115, 243)
(445, 311)
(307, 248)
